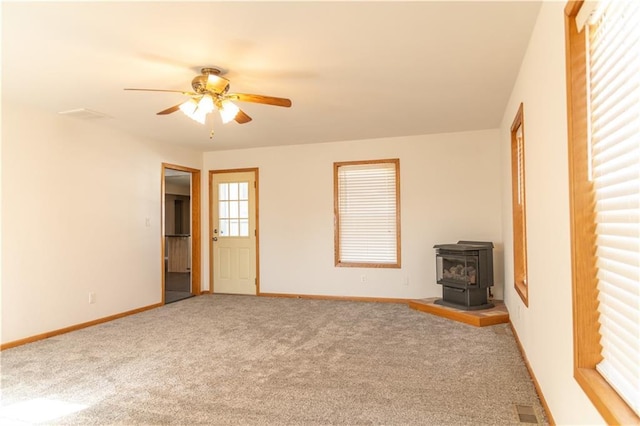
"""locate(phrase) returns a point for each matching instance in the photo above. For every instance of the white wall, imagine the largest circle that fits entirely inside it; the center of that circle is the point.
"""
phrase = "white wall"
(545, 327)
(450, 190)
(76, 198)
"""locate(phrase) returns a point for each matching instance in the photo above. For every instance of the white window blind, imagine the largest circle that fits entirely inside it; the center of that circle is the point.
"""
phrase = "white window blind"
(614, 79)
(367, 209)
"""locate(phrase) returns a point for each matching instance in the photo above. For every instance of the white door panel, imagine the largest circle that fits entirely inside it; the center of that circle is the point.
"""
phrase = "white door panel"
(234, 237)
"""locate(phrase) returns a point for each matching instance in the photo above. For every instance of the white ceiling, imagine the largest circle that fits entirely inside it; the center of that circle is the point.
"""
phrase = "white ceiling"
(354, 70)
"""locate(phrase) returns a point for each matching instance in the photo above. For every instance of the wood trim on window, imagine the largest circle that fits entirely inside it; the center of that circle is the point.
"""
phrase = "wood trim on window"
(519, 207)
(586, 338)
(336, 216)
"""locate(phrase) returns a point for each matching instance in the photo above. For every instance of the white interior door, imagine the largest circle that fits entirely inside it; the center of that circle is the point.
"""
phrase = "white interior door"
(234, 232)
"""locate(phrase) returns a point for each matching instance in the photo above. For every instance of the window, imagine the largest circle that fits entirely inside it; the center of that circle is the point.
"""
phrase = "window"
(519, 207)
(367, 213)
(603, 89)
(233, 209)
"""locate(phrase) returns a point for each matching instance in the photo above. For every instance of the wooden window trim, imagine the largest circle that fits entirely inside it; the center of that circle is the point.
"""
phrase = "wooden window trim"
(336, 217)
(519, 208)
(586, 338)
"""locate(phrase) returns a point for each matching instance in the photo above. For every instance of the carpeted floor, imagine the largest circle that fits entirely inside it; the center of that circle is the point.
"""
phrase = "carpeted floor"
(255, 360)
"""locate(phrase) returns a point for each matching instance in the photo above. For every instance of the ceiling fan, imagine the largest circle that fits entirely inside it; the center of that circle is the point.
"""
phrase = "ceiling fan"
(211, 92)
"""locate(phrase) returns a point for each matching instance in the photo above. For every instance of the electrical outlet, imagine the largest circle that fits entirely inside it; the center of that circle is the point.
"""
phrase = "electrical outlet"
(363, 278)
(405, 280)
(92, 298)
(147, 222)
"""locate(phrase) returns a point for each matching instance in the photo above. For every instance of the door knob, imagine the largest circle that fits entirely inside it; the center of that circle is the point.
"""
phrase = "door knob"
(215, 238)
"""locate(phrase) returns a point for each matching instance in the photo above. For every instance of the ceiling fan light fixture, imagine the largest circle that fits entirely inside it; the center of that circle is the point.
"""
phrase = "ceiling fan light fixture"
(200, 116)
(228, 111)
(189, 107)
(206, 104)
(210, 92)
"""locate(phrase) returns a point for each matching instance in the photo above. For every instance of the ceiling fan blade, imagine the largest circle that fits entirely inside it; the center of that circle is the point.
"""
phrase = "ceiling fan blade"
(164, 90)
(242, 117)
(170, 110)
(260, 99)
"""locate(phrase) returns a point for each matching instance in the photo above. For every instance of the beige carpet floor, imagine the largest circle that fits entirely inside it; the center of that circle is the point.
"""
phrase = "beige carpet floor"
(268, 361)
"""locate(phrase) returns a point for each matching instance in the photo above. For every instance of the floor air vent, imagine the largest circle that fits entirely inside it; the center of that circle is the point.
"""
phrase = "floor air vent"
(526, 414)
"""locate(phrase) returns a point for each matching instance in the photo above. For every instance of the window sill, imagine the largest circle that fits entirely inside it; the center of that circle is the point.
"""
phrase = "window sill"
(523, 292)
(613, 409)
(367, 265)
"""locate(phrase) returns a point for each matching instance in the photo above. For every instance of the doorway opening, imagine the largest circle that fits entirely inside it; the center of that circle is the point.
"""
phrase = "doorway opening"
(180, 233)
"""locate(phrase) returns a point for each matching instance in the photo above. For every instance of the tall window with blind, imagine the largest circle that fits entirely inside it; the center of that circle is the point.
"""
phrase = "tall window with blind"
(367, 213)
(603, 78)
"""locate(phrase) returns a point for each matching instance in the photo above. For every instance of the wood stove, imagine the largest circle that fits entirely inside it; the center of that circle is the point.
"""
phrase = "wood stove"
(465, 271)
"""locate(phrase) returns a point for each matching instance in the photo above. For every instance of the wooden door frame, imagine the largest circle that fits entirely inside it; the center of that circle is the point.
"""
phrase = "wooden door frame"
(255, 172)
(196, 231)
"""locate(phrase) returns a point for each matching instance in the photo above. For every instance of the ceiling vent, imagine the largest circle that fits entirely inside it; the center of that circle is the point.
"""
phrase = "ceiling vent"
(84, 114)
